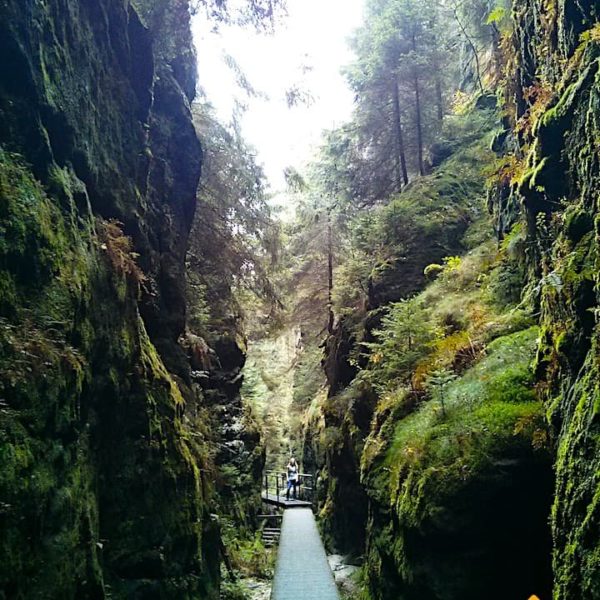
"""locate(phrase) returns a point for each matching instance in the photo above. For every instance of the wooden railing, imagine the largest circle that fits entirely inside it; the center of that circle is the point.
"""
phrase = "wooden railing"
(275, 483)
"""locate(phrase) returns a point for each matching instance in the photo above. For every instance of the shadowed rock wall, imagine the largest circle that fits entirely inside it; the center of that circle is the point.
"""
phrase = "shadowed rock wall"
(557, 47)
(105, 481)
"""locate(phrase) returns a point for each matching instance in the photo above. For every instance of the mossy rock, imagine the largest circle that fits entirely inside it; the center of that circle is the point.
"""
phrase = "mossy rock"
(454, 491)
(103, 489)
(577, 223)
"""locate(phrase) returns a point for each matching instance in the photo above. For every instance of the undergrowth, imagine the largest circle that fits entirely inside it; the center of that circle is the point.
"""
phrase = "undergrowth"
(475, 299)
(490, 404)
(249, 559)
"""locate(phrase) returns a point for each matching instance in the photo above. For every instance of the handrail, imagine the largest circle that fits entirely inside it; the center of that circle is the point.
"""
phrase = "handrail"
(285, 473)
(278, 487)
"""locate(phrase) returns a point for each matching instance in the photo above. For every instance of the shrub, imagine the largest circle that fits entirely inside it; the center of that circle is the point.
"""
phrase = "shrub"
(234, 590)
(119, 249)
(404, 338)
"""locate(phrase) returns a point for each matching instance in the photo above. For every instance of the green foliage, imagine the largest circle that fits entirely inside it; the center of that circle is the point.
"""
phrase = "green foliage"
(399, 78)
(258, 13)
(479, 17)
(234, 243)
(404, 338)
(385, 241)
(317, 234)
(496, 16)
(437, 382)
(248, 558)
(403, 78)
(484, 405)
(437, 216)
(451, 265)
(446, 327)
(233, 590)
(248, 555)
(278, 377)
(31, 236)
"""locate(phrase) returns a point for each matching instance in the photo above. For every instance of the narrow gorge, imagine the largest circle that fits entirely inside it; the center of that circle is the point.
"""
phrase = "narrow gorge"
(408, 306)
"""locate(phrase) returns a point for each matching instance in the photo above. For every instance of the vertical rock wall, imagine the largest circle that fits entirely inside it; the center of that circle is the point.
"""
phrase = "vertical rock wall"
(557, 45)
(105, 480)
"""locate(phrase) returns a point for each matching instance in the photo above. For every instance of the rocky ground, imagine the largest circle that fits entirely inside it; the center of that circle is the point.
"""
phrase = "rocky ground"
(344, 574)
(258, 590)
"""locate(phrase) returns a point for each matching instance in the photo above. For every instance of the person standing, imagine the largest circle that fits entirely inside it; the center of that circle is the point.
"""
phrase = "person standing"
(292, 478)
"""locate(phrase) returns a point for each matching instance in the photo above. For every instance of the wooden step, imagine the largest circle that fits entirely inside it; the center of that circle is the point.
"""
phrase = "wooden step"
(270, 536)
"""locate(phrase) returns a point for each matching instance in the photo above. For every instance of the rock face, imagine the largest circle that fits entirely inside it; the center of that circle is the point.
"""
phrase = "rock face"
(442, 495)
(239, 452)
(417, 234)
(559, 190)
(103, 488)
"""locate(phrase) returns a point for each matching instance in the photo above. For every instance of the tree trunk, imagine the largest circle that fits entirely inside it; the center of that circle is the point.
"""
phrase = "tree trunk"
(471, 45)
(401, 169)
(439, 98)
(419, 124)
(418, 115)
(331, 318)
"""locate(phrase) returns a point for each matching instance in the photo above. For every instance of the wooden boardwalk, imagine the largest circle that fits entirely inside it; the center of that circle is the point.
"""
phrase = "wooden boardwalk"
(302, 571)
(281, 502)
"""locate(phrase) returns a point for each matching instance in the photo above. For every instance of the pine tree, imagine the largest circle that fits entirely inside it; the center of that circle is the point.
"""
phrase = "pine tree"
(399, 85)
(234, 241)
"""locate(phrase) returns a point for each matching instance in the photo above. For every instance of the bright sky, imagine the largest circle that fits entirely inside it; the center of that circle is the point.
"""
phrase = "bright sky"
(313, 34)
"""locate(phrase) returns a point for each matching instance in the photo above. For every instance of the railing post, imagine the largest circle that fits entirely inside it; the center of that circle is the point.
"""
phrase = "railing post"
(266, 485)
(277, 487)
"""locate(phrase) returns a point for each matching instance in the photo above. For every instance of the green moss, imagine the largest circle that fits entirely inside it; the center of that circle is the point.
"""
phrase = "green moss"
(503, 377)
(439, 461)
(576, 511)
(88, 413)
(563, 251)
(577, 223)
(105, 488)
(31, 237)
